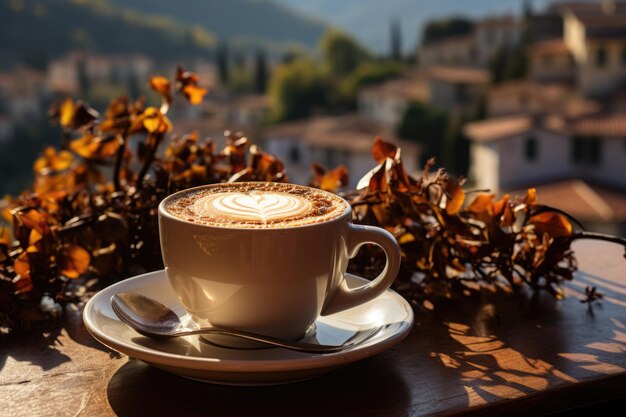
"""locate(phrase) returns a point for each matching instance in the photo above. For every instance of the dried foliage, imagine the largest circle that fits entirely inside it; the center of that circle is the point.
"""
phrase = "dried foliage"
(92, 209)
(451, 247)
(92, 212)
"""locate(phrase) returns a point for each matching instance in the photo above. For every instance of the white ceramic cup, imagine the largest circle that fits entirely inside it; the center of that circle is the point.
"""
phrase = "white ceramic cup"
(271, 281)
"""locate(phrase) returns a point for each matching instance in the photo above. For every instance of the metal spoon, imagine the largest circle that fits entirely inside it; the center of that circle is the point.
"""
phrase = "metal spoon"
(151, 318)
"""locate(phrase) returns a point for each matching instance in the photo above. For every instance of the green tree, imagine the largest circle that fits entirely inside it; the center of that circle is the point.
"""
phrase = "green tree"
(427, 126)
(240, 81)
(260, 72)
(508, 64)
(222, 58)
(366, 74)
(341, 53)
(133, 86)
(297, 89)
(395, 49)
(456, 151)
(84, 84)
(440, 29)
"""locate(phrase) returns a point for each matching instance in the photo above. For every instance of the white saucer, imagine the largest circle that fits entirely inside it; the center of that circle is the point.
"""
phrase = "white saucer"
(192, 358)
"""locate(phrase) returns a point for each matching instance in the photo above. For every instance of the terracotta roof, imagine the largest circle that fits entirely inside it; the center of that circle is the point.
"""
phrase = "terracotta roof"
(551, 90)
(505, 127)
(403, 88)
(613, 124)
(554, 97)
(458, 75)
(586, 8)
(549, 47)
(254, 101)
(586, 202)
(601, 23)
(349, 132)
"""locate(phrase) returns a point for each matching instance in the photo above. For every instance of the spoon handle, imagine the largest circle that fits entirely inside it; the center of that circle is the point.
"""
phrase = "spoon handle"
(357, 338)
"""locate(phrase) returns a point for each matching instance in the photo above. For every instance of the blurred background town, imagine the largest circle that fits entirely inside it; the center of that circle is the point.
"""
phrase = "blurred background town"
(510, 93)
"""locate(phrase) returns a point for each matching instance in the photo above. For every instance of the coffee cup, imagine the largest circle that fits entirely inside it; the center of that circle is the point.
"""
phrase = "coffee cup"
(267, 258)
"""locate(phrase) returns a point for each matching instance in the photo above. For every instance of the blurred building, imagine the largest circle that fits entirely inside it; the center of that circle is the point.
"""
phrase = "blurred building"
(456, 90)
(516, 152)
(386, 103)
(563, 129)
(331, 141)
(66, 74)
(588, 51)
(475, 49)
(246, 111)
(23, 95)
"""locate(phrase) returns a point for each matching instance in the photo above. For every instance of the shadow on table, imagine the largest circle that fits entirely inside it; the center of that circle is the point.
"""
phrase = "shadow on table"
(525, 344)
(40, 344)
(139, 389)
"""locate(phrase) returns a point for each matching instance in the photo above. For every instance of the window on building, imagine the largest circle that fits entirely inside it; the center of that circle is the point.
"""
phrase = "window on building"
(462, 93)
(294, 154)
(531, 149)
(601, 57)
(587, 151)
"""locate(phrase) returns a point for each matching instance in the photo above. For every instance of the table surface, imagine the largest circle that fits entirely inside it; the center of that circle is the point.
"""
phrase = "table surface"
(521, 355)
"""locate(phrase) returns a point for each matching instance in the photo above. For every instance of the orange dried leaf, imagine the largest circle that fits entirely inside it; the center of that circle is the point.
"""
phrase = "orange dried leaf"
(152, 121)
(551, 223)
(456, 197)
(5, 236)
(67, 110)
(162, 86)
(24, 283)
(483, 203)
(96, 147)
(531, 197)
(74, 261)
(34, 237)
(194, 93)
(499, 207)
(382, 150)
(54, 161)
(34, 220)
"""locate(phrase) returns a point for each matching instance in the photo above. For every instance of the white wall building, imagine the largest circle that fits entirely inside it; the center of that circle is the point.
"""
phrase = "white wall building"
(331, 141)
(597, 40)
(64, 73)
(457, 90)
(386, 103)
(512, 152)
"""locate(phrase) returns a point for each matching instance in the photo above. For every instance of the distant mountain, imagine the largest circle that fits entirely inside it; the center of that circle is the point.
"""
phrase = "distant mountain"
(369, 20)
(251, 19)
(36, 30)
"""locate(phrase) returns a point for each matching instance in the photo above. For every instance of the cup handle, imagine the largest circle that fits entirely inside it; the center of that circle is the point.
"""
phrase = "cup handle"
(358, 235)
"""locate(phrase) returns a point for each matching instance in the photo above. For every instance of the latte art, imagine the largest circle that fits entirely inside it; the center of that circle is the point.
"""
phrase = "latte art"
(255, 205)
(252, 206)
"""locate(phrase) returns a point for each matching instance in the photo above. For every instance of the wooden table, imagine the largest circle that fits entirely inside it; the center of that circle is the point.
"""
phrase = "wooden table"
(519, 355)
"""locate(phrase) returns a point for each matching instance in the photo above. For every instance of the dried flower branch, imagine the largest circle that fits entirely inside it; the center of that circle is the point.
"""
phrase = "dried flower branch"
(92, 212)
(75, 222)
(449, 250)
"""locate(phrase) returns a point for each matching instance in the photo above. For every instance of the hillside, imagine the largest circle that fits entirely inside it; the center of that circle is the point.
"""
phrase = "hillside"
(369, 20)
(252, 19)
(36, 30)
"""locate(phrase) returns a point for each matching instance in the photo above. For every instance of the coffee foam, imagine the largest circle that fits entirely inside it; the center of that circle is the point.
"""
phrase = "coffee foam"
(256, 205)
